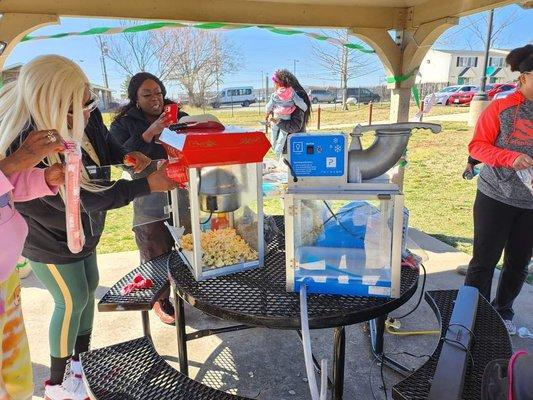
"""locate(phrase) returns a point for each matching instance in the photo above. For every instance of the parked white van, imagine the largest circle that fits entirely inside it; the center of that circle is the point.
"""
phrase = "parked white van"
(242, 95)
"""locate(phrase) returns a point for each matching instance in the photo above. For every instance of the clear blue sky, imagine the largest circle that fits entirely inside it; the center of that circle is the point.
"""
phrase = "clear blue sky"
(261, 51)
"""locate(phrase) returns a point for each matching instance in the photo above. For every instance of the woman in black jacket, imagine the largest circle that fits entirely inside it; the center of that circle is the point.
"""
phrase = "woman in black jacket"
(137, 127)
(53, 90)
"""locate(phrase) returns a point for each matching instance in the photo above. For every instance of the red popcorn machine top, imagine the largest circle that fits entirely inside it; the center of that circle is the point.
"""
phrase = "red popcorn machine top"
(220, 168)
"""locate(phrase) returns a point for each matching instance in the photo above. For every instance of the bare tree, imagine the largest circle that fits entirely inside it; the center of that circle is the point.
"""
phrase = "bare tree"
(478, 28)
(132, 52)
(196, 59)
(343, 62)
(199, 59)
(474, 31)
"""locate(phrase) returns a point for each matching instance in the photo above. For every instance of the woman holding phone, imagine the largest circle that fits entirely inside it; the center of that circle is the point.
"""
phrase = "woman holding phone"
(137, 127)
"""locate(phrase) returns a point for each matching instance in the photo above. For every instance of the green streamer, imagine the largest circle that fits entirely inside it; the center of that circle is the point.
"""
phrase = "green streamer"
(402, 78)
(207, 26)
(416, 95)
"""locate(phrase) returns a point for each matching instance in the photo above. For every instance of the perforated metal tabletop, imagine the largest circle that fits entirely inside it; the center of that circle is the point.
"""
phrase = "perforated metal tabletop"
(258, 297)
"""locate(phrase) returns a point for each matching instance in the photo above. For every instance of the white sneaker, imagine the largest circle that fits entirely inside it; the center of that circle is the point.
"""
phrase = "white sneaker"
(57, 392)
(74, 384)
(511, 328)
(74, 381)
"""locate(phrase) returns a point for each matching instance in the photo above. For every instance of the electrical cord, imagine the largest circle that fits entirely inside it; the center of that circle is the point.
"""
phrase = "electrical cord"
(382, 377)
(383, 383)
(421, 294)
(462, 346)
(464, 327)
(293, 173)
(391, 331)
(208, 219)
(338, 220)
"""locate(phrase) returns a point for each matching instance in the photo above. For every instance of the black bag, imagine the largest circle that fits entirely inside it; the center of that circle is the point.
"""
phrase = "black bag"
(509, 379)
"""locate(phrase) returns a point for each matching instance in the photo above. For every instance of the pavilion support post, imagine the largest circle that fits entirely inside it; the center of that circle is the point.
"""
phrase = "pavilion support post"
(14, 26)
(399, 104)
(402, 56)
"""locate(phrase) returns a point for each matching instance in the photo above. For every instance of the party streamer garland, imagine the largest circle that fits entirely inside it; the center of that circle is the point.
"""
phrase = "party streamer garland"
(208, 26)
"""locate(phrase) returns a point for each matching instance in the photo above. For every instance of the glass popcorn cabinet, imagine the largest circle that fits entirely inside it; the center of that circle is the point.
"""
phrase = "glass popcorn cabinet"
(221, 232)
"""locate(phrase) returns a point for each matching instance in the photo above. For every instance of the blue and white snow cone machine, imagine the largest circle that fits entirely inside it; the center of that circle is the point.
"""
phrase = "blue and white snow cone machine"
(345, 221)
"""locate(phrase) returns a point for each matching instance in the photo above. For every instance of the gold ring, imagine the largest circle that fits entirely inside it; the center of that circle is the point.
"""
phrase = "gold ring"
(51, 137)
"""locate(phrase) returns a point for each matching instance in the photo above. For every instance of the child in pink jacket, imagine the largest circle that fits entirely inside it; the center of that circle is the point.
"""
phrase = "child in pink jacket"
(16, 376)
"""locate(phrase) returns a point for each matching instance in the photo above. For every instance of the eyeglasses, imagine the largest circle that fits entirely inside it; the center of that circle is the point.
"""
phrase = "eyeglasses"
(90, 105)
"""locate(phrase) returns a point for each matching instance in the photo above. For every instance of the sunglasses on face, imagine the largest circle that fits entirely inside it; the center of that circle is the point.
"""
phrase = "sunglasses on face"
(90, 105)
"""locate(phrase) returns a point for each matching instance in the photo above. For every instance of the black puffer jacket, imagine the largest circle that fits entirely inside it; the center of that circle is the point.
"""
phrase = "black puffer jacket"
(47, 237)
(128, 130)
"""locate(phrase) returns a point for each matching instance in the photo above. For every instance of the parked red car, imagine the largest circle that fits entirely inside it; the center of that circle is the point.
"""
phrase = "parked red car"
(499, 87)
(464, 98)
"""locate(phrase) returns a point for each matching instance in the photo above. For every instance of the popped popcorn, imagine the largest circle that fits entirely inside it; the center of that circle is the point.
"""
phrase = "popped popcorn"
(221, 247)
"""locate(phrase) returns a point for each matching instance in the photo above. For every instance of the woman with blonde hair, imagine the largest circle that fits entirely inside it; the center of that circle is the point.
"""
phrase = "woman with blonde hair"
(53, 92)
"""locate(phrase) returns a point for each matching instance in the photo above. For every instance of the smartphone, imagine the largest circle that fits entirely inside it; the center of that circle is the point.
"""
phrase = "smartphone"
(171, 113)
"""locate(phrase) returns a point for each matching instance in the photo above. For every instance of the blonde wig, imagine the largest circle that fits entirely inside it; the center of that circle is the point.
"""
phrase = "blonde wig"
(46, 89)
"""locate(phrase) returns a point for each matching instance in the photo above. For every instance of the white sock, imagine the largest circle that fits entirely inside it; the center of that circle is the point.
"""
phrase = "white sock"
(75, 367)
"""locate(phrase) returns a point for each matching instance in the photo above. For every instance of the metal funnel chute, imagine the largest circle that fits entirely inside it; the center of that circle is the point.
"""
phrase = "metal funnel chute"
(389, 145)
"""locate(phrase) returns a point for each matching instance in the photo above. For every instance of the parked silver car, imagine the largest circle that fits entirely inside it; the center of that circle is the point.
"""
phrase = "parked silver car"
(444, 94)
(321, 96)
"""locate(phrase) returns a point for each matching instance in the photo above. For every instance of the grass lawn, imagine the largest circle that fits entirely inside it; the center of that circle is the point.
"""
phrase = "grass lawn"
(440, 201)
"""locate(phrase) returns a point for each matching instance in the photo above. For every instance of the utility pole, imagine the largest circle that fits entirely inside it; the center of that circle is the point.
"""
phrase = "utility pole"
(217, 64)
(104, 51)
(294, 66)
(481, 95)
(266, 87)
(481, 100)
(262, 88)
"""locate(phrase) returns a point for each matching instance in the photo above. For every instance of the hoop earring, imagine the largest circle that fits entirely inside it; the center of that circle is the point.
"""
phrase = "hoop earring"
(137, 105)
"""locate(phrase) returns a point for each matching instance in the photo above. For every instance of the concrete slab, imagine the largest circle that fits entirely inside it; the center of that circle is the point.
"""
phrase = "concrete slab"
(262, 363)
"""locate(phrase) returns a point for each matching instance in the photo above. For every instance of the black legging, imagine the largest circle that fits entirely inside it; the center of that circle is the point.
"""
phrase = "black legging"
(498, 226)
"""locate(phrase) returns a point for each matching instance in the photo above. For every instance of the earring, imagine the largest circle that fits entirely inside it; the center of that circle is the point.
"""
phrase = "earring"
(137, 104)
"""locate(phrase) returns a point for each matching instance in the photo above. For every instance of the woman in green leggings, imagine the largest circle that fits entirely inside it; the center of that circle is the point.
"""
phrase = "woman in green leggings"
(72, 287)
(54, 89)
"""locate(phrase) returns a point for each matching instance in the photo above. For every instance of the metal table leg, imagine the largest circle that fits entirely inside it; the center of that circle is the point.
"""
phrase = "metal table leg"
(146, 323)
(339, 345)
(181, 334)
(377, 330)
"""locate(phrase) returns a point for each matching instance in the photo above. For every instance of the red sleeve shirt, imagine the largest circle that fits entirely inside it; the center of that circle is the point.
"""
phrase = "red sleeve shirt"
(483, 147)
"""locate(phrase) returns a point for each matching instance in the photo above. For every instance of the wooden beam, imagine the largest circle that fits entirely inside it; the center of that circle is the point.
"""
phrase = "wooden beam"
(438, 9)
(233, 11)
(386, 49)
(13, 27)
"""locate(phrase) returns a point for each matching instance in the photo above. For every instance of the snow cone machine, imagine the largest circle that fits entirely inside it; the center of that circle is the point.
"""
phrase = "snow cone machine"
(221, 231)
(345, 224)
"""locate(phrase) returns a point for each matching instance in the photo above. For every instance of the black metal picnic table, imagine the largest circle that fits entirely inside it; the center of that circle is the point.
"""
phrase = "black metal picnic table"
(258, 298)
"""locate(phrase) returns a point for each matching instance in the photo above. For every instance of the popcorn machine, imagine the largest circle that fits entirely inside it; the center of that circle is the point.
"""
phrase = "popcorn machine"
(222, 232)
(344, 216)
